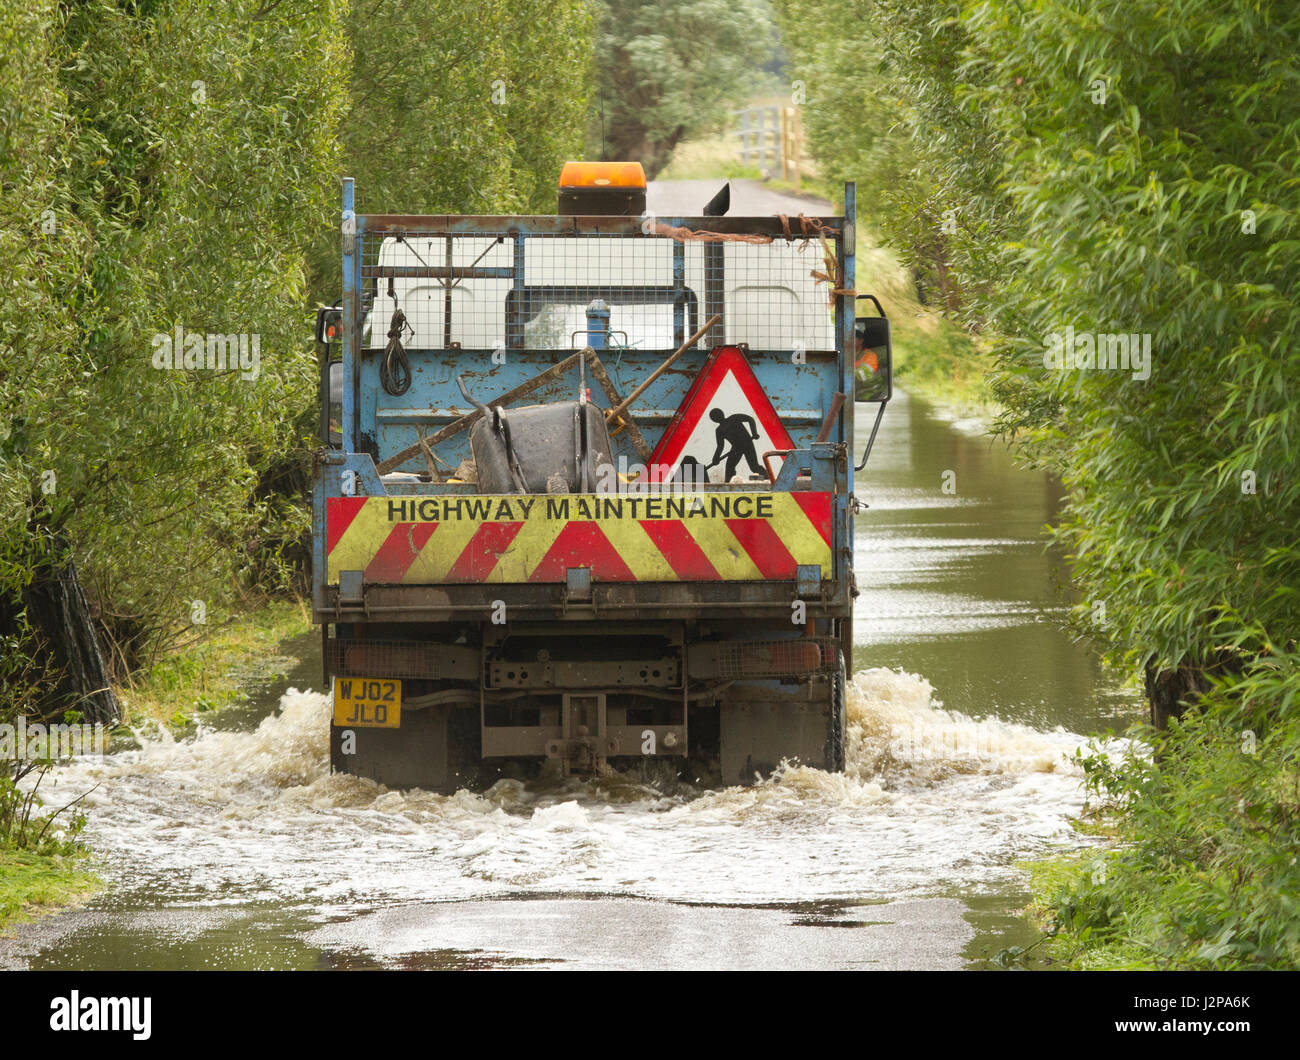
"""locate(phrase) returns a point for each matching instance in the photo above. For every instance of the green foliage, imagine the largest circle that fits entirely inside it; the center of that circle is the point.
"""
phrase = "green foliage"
(24, 687)
(709, 158)
(39, 269)
(1206, 873)
(1129, 216)
(937, 359)
(668, 70)
(182, 163)
(176, 164)
(1125, 167)
(460, 112)
(1130, 219)
(26, 823)
(186, 679)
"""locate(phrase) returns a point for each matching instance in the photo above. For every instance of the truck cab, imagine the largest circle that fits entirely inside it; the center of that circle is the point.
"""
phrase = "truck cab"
(584, 499)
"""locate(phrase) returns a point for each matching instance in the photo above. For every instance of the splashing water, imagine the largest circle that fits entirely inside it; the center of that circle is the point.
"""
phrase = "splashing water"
(930, 801)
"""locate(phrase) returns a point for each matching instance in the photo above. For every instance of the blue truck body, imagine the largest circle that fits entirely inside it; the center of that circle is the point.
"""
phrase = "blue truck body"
(705, 627)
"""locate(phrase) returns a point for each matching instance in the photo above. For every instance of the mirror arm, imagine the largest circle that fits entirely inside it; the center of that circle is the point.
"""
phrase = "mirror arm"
(872, 440)
(874, 301)
(323, 382)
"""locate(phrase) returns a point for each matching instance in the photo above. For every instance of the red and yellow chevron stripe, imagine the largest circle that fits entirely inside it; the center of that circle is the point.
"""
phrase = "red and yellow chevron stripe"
(667, 537)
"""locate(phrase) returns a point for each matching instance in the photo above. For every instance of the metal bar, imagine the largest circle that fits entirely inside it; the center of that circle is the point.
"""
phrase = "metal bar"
(612, 413)
(351, 321)
(832, 414)
(622, 294)
(842, 536)
(685, 594)
(679, 284)
(611, 392)
(446, 300)
(846, 305)
(715, 301)
(440, 272)
(546, 225)
(866, 455)
(514, 300)
(781, 606)
(323, 381)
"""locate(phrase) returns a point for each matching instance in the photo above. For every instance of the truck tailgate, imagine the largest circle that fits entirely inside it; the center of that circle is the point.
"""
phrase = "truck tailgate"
(718, 536)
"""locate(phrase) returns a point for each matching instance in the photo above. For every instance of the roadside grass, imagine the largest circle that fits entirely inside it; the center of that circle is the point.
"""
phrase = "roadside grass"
(33, 884)
(41, 875)
(1203, 874)
(933, 358)
(210, 672)
(707, 158)
(1054, 884)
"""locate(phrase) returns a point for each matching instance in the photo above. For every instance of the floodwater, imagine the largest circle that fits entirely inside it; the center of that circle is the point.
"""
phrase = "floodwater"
(236, 848)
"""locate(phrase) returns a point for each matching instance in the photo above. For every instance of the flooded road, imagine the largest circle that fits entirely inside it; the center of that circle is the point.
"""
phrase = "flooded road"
(238, 849)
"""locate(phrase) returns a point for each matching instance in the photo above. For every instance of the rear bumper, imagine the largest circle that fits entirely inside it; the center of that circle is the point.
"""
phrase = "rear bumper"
(635, 601)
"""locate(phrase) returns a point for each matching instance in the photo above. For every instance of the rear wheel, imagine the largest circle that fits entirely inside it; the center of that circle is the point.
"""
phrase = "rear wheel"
(835, 720)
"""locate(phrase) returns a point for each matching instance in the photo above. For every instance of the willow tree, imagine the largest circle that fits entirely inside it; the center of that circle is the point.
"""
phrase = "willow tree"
(1151, 161)
(192, 154)
(1152, 156)
(670, 69)
(464, 108)
(45, 251)
(171, 196)
(884, 107)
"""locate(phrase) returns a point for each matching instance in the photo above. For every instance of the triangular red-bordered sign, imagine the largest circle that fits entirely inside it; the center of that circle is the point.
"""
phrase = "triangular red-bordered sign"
(727, 383)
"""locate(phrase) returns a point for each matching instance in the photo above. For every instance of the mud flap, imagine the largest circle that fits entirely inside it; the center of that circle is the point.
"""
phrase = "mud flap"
(415, 756)
(757, 733)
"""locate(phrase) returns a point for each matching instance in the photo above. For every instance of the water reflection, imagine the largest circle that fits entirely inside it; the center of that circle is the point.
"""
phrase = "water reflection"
(958, 585)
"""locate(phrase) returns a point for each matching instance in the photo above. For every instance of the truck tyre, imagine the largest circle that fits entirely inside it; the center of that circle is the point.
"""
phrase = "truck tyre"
(835, 721)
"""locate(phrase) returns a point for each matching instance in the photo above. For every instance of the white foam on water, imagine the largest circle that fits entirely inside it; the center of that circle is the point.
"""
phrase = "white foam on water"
(931, 800)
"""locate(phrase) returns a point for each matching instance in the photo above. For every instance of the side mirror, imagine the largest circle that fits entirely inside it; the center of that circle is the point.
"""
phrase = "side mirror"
(336, 383)
(329, 330)
(334, 416)
(873, 356)
(329, 324)
(873, 367)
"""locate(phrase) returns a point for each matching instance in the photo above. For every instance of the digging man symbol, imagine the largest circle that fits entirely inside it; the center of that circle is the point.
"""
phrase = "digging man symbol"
(731, 431)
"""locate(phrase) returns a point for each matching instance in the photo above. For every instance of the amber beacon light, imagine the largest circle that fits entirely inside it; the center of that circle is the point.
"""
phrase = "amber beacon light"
(602, 188)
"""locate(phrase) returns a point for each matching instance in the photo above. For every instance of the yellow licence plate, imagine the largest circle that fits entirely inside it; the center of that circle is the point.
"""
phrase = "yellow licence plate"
(367, 702)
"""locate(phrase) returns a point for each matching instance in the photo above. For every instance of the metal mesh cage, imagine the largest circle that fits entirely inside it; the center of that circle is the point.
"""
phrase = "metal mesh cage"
(795, 656)
(386, 658)
(487, 291)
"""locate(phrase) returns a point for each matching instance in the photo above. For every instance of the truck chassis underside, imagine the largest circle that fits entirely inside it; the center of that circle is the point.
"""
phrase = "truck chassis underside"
(718, 702)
